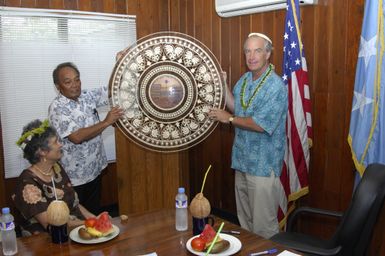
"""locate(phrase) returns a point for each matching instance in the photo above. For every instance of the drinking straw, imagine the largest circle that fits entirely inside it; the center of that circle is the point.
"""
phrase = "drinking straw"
(215, 238)
(54, 189)
(204, 179)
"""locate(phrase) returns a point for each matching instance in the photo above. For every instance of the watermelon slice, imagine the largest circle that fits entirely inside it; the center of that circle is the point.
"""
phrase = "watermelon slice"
(103, 224)
(208, 234)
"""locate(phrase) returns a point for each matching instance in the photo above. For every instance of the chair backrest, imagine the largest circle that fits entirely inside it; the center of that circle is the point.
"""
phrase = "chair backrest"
(355, 230)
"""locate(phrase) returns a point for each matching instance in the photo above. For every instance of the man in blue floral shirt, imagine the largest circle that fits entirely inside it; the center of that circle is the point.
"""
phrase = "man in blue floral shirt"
(73, 114)
(259, 103)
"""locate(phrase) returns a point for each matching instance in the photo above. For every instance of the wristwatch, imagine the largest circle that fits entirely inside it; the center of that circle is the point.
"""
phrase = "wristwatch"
(231, 119)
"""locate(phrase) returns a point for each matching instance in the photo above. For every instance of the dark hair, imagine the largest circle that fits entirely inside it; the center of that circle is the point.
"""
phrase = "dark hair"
(55, 73)
(38, 141)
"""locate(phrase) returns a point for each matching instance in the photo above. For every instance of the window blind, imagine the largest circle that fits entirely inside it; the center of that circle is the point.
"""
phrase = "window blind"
(32, 43)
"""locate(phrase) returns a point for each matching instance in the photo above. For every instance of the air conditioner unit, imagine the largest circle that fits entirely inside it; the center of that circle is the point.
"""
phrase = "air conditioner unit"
(229, 8)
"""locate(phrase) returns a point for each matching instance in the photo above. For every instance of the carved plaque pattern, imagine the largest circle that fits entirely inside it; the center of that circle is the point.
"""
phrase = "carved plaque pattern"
(166, 83)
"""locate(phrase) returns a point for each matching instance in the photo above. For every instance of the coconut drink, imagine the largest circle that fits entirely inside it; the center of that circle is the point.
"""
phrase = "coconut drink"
(200, 206)
(58, 213)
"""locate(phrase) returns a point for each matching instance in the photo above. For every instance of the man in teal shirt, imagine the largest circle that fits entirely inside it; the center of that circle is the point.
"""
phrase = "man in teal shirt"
(259, 103)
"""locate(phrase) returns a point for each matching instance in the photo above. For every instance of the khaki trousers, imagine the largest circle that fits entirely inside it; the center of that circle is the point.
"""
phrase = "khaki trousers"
(257, 200)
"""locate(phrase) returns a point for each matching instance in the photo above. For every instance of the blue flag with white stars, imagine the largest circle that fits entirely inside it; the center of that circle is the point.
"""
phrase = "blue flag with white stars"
(367, 124)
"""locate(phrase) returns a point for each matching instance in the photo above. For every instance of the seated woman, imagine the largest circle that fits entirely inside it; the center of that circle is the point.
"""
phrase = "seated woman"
(35, 186)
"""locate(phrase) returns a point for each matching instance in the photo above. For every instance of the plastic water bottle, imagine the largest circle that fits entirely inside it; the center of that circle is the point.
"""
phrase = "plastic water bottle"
(181, 210)
(8, 234)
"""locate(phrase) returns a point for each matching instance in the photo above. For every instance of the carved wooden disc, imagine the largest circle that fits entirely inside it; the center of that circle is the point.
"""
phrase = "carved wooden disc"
(166, 84)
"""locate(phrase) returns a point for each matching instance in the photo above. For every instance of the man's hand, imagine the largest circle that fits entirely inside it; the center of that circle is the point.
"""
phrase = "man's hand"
(113, 115)
(219, 115)
(120, 54)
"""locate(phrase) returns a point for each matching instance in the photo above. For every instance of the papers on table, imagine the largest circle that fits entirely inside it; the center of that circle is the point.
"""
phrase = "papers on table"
(287, 253)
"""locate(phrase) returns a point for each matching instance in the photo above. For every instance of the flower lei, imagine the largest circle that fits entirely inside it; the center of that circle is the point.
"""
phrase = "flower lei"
(27, 136)
(244, 105)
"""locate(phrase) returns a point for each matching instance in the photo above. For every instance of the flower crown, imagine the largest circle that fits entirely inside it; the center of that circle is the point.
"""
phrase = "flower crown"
(261, 35)
(27, 136)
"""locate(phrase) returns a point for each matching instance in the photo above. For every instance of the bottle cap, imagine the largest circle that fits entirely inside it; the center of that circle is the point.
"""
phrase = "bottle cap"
(181, 190)
(5, 210)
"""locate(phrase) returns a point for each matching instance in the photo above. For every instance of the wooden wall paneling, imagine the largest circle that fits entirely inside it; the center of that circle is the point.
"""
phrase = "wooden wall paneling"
(109, 187)
(245, 30)
(268, 29)
(203, 32)
(131, 171)
(190, 9)
(175, 173)
(221, 193)
(13, 3)
(320, 102)
(203, 24)
(236, 50)
(96, 5)
(27, 3)
(56, 4)
(224, 133)
(183, 18)
(353, 26)
(216, 34)
(195, 170)
(109, 6)
(336, 99)
(308, 19)
(225, 52)
(322, 53)
(144, 18)
(257, 23)
(42, 3)
(154, 179)
(228, 174)
(164, 16)
(326, 172)
(124, 181)
(85, 5)
(209, 156)
(121, 6)
(175, 17)
(184, 175)
(138, 175)
(277, 38)
(227, 133)
(70, 4)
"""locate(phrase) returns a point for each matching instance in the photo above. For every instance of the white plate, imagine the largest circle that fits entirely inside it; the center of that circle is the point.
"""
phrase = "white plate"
(75, 236)
(235, 246)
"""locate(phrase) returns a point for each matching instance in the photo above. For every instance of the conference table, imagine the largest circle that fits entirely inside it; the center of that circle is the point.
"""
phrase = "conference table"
(146, 233)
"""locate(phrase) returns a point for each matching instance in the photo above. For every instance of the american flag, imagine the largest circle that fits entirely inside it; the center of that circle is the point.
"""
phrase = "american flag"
(294, 178)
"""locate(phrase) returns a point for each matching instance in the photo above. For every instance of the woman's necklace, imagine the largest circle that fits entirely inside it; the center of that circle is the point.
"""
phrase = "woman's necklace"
(246, 105)
(46, 173)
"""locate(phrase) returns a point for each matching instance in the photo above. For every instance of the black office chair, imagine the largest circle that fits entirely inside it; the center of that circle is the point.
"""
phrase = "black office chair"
(354, 232)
